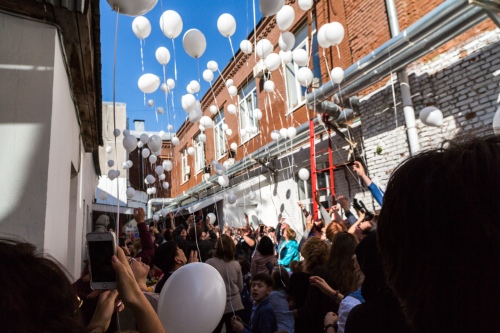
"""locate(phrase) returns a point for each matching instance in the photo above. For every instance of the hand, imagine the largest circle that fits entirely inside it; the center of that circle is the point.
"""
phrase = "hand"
(309, 222)
(105, 308)
(125, 250)
(237, 324)
(330, 318)
(139, 215)
(129, 290)
(322, 285)
(343, 202)
(190, 219)
(193, 256)
(300, 204)
(358, 168)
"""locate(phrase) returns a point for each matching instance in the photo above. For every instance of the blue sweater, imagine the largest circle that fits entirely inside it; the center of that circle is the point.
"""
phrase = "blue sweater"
(377, 193)
(263, 319)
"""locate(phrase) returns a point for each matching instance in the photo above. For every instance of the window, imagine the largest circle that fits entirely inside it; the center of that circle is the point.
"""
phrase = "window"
(294, 91)
(186, 170)
(220, 136)
(199, 158)
(247, 106)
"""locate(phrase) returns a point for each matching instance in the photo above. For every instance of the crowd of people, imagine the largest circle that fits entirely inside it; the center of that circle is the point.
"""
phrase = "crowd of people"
(427, 263)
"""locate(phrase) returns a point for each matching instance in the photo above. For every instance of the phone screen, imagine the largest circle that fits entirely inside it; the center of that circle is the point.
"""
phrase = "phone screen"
(100, 253)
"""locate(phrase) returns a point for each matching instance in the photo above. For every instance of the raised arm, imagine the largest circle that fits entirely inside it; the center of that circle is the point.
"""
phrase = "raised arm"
(377, 194)
(146, 242)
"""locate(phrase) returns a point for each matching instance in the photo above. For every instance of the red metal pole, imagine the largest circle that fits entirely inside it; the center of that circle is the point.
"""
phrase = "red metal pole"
(312, 151)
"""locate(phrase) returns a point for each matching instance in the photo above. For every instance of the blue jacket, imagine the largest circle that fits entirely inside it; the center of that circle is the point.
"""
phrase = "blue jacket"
(377, 193)
(288, 251)
(263, 319)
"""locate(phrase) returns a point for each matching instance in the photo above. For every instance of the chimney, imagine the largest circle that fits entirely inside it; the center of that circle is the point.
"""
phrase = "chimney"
(139, 125)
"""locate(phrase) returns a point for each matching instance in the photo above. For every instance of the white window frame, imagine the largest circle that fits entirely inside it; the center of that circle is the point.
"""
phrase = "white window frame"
(292, 68)
(184, 165)
(247, 106)
(220, 145)
(199, 157)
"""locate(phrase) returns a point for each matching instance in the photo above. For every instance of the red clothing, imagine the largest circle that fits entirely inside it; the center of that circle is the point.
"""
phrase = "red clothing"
(146, 254)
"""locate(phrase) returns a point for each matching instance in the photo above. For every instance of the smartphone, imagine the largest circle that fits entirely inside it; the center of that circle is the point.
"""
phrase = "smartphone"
(101, 247)
(261, 228)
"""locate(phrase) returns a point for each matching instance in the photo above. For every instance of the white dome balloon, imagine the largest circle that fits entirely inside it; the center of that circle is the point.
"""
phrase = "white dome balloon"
(285, 17)
(151, 179)
(195, 86)
(300, 57)
(257, 113)
(272, 61)
(270, 7)
(129, 163)
(292, 132)
(322, 41)
(129, 143)
(155, 142)
(286, 41)
(305, 76)
(431, 116)
(162, 55)
(175, 141)
(202, 137)
(254, 129)
(164, 87)
(269, 86)
(166, 185)
(263, 48)
(167, 165)
(194, 43)
(151, 102)
(275, 135)
(337, 74)
(208, 75)
(111, 163)
(162, 176)
(243, 132)
(152, 159)
(223, 180)
(233, 91)
(160, 110)
(206, 122)
(140, 144)
(224, 127)
(304, 174)
(284, 133)
(219, 168)
(141, 27)
(229, 132)
(229, 83)
(170, 127)
(132, 8)
(171, 84)
(305, 4)
(148, 83)
(286, 57)
(212, 65)
(170, 24)
(144, 138)
(130, 192)
(334, 33)
(246, 46)
(145, 153)
(226, 24)
(188, 102)
(231, 108)
(231, 198)
(234, 146)
(191, 151)
(159, 170)
(195, 115)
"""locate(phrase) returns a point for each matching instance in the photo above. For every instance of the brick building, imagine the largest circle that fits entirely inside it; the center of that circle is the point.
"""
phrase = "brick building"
(455, 68)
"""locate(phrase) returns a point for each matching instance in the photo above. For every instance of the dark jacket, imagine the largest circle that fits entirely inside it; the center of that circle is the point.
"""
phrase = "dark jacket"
(263, 319)
(188, 245)
(148, 249)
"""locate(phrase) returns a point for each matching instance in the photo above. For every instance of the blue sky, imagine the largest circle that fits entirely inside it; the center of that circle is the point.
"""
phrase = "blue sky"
(199, 14)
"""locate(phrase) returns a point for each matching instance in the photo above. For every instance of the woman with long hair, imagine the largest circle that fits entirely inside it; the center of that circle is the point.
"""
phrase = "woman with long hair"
(264, 259)
(230, 270)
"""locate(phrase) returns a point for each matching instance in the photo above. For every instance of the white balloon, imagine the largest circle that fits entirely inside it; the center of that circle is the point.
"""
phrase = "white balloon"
(153, 190)
(141, 27)
(337, 74)
(162, 55)
(144, 138)
(160, 110)
(109, 149)
(229, 83)
(112, 174)
(103, 195)
(152, 159)
(188, 102)
(189, 89)
(116, 132)
(130, 192)
(132, 8)
(164, 212)
(211, 289)
(212, 65)
(431, 116)
(171, 24)
(175, 141)
(208, 75)
(304, 174)
(140, 144)
(151, 102)
(206, 122)
(231, 108)
(156, 218)
(226, 25)
(223, 180)
(111, 163)
(286, 57)
(272, 61)
(201, 127)
(285, 17)
(322, 41)
(229, 132)
(305, 4)
(171, 84)
(159, 170)
(269, 86)
(304, 76)
(164, 87)
(224, 127)
(334, 33)
(126, 132)
(301, 57)
(167, 165)
(243, 132)
(254, 129)
(194, 43)
(284, 133)
(234, 146)
(151, 179)
(263, 48)
(129, 163)
(195, 86)
(166, 185)
(202, 137)
(246, 46)
(191, 151)
(129, 143)
(148, 191)
(161, 134)
(257, 114)
(213, 109)
(145, 153)
(292, 132)
(231, 198)
(162, 176)
(155, 142)
(148, 83)
(212, 218)
(124, 165)
(195, 115)
(170, 127)
(275, 135)
(286, 41)
(233, 91)
(270, 7)
(219, 168)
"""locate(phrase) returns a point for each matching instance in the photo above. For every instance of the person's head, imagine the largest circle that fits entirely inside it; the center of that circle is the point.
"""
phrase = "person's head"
(225, 248)
(364, 228)
(315, 253)
(169, 257)
(266, 246)
(194, 231)
(439, 235)
(289, 234)
(340, 262)
(261, 286)
(139, 268)
(333, 228)
(296, 266)
(281, 278)
(183, 233)
(36, 293)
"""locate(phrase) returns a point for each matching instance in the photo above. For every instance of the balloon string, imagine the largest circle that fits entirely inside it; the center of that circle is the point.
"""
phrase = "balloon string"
(328, 68)
(142, 55)
(114, 126)
(254, 32)
(175, 60)
(232, 50)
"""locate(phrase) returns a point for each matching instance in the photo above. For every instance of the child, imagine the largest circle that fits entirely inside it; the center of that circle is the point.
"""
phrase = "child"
(263, 319)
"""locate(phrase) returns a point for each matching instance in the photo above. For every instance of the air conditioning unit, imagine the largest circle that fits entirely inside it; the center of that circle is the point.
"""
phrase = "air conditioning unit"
(259, 69)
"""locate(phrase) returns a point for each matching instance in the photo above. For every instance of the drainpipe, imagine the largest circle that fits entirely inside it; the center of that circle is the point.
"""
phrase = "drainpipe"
(404, 85)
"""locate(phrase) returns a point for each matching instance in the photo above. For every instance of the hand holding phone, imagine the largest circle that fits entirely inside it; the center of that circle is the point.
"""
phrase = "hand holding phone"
(101, 248)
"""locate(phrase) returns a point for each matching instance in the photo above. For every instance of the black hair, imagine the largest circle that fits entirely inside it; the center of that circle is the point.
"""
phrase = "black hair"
(263, 277)
(266, 246)
(164, 256)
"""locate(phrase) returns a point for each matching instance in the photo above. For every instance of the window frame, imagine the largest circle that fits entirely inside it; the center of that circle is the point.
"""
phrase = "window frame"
(199, 155)
(219, 120)
(247, 116)
(184, 164)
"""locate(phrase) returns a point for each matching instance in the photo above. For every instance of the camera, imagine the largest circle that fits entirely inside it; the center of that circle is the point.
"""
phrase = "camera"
(359, 205)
